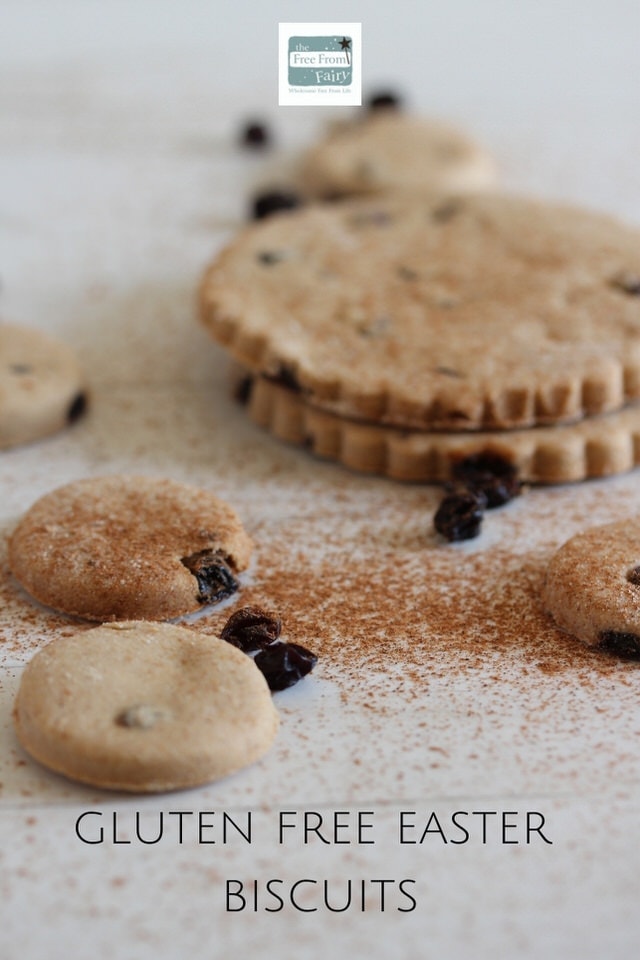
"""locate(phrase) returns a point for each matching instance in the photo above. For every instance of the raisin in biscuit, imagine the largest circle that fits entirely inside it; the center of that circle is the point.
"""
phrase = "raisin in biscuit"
(592, 587)
(129, 547)
(42, 389)
(389, 150)
(143, 707)
(594, 447)
(484, 312)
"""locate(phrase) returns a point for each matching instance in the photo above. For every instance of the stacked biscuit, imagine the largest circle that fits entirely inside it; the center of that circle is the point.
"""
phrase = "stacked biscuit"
(424, 320)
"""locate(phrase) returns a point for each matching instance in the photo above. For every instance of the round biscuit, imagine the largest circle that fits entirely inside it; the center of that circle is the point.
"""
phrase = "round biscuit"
(127, 547)
(144, 707)
(389, 150)
(592, 587)
(42, 389)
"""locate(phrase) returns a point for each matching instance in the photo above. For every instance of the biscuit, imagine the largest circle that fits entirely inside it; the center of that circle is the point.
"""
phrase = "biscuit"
(594, 447)
(129, 548)
(389, 150)
(592, 587)
(143, 707)
(42, 389)
(485, 312)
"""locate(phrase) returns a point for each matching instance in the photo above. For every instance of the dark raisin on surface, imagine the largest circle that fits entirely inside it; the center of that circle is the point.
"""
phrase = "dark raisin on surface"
(622, 644)
(490, 474)
(214, 576)
(284, 377)
(627, 283)
(20, 369)
(283, 664)
(445, 211)
(633, 576)
(251, 628)
(459, 516)
(77, 407)
(270, 257)
(384, 100)
(242, 390)
(273, 201)
(256, 135)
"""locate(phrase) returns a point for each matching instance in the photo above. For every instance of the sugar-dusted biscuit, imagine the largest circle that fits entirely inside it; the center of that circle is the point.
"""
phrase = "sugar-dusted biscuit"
(592, 587)
(129, 547)
(594, 447)
(42, 389)
(483, 312)
(143, 707)
(388, 150)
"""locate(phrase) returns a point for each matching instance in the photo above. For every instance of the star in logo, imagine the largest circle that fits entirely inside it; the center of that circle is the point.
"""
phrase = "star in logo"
(346, 45)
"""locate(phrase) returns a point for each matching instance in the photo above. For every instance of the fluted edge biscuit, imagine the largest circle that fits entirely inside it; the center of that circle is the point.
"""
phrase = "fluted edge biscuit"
(596, 447)
(486, 312)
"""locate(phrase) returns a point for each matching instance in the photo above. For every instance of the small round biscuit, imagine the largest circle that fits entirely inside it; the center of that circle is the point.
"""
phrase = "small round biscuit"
(144, 707)
(42, 389)
(592, 587)
(129, 547)
(392, 151)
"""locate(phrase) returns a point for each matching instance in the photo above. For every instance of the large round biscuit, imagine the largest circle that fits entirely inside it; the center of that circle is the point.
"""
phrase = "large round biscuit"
(144, 707)
(128, 547)
(470, 313)
(592, 587)
(391, 150)
(42, 389)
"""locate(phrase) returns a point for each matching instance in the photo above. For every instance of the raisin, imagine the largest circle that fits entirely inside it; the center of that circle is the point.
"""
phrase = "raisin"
(384, 100)
(269, 257)
(490, 474)
(459, 516)
(141, 715)
(272, 201)
(242, 390)
(251, 628)
(445, 211)
(628, 283)
(284, 377)
(255, 135)
(215, 579)
(621, 644)
(20, 369)
(77, 407)
(633, 576)
(283, 664)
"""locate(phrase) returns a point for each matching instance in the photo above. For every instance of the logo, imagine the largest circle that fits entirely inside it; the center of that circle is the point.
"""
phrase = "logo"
(320, 64)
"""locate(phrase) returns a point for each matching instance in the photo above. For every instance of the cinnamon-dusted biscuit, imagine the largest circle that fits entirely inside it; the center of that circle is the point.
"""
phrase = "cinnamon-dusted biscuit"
(484, 312)
(389, 150)
(144, 707)
(595, 447)
(592, 587)
(42, 389)
(129, 547)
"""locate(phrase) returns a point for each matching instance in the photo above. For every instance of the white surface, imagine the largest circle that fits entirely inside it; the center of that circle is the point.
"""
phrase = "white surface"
(119, 179)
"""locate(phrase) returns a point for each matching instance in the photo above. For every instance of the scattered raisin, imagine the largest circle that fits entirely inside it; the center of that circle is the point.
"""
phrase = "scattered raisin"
(251, 628)
(77, 407)
(20, 369)
(283, 664)
(384, 100)
(445, 211)
(633, 576)
(255, 135)
(272, 201)
(490, 474)
(215, 579)
(269, 257)
(621, 644)
(459, 516)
